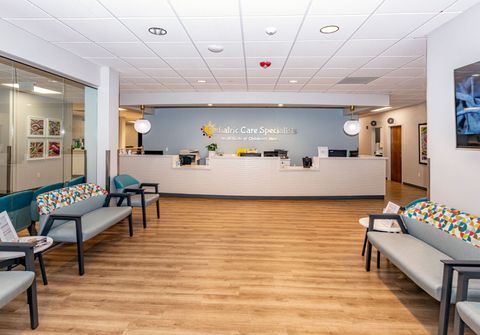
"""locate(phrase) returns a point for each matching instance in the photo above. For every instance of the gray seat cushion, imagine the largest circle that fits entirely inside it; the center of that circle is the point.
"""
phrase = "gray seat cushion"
(93, 223)
(12, 283)
(419, 261)
(470, 314)
(137, 199)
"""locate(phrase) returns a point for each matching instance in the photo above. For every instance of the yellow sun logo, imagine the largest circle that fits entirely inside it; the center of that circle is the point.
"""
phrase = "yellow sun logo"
(208, 129)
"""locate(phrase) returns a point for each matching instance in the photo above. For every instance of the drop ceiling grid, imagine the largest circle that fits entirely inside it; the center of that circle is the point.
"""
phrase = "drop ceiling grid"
(394, 51)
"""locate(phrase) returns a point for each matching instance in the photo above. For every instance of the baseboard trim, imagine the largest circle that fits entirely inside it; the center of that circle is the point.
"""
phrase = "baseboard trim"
(249, 197)
(416, 186)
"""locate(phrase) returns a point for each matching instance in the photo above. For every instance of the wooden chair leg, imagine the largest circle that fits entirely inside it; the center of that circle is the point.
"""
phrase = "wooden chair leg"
(42, 268)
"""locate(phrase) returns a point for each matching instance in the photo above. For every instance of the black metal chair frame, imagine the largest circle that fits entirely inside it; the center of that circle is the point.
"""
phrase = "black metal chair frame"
(78, 225)
(142, 193)
(465, 274)
(27, 248)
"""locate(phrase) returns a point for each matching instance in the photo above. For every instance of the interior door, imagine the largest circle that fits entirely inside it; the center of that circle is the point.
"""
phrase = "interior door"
(396, 153)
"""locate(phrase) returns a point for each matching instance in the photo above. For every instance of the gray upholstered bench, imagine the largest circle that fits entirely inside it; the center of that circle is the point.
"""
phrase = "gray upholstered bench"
(428, 256)
(70, 216)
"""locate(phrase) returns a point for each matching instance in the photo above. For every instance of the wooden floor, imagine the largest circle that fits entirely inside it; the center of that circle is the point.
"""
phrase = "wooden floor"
(230, 267)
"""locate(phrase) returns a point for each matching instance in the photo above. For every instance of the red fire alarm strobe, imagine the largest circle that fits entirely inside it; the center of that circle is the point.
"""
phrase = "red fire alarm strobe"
(265, 64)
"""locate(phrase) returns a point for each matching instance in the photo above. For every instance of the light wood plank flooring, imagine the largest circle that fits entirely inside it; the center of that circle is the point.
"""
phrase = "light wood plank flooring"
(230, 267)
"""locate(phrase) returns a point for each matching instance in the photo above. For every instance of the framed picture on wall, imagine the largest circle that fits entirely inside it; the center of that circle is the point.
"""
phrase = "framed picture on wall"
(35, 149)
(54, 149)
(54, 127)
(422, 143)
(35, 126)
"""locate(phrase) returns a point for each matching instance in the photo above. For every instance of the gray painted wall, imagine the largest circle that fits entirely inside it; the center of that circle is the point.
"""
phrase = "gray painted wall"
(179, 128)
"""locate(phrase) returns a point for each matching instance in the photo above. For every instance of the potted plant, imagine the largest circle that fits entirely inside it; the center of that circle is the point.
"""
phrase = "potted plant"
(212, 147)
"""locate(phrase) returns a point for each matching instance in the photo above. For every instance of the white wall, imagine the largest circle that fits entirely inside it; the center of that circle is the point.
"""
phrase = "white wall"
(409, 118)
(454, 172)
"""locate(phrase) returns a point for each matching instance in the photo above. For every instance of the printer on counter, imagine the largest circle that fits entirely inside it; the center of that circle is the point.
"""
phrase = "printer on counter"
(189, 157)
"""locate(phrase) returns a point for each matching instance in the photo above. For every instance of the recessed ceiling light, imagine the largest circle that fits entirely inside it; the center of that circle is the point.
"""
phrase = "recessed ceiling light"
(201, 81)
(216, 48)
(157, 31)
(271, 31)
(280, 105)
(381, 109)
(329, 29)
(210, 105)
(293, 81)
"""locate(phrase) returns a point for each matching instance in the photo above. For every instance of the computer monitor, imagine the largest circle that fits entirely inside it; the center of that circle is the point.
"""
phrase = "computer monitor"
(337, 153)
(153, 152)
(187, 159)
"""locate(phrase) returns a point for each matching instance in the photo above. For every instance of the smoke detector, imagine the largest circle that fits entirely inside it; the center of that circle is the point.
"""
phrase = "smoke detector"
(270, 31)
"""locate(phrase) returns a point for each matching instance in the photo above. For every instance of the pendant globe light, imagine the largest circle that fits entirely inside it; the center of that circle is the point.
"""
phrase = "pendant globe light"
(351, 127)
(142, 125)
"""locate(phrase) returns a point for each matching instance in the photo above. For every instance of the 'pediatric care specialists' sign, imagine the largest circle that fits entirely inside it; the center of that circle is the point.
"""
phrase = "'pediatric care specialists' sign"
(245, 133)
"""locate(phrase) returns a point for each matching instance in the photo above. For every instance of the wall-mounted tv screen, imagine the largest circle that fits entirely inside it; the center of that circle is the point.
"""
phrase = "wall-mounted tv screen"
(467, 106)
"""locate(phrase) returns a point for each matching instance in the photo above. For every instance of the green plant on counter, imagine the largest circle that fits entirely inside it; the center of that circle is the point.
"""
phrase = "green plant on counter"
(212, 147)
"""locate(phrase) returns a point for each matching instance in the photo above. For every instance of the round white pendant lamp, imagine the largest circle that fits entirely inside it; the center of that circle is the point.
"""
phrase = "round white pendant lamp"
(142, 125)
(351, 127)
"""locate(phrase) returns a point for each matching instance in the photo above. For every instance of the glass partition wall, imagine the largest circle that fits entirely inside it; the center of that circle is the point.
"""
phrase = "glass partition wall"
(41, 128)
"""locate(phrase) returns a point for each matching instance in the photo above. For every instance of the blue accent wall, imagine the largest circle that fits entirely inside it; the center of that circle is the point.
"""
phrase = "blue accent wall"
(179, 128)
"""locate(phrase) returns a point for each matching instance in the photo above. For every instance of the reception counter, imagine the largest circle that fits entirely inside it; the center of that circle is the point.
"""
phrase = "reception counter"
(359, 177)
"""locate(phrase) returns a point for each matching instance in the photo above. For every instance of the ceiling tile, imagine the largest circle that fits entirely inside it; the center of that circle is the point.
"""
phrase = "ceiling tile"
(386, 26)
(325, 80)
(49, 29)
(170, 80)
(194, 80)
(347, 62)
(229, 88)
(389, 62)
(273, 7)
(73, 8)
(420, 62)
(267, 49)
(287, 28)
(138, 8)
(408, 47)
(414, 6)
(265, 73)
(366, 47)
(139, 26)
(156, 72)
(132, 49)
(224, 72)
(288, 88)
(347, 24)
(189, 62)
(277, 62)
(85, 49)
(315, 48)
(231, 49)
(316, 87)
(262, 80)
(174, 49)
(324, 72)
(231, 80)
(20, 9)
(287, 72)
(284, 80)
(189, 8)
(261, 87)
(194, 72)
(407, 72)
(101, 30)
(213, 29)
(433, 24)
(461, 5)
(343, 7)
(306, 62)
(235, 62)
(370, 72)
(146, 62)
(114, 62)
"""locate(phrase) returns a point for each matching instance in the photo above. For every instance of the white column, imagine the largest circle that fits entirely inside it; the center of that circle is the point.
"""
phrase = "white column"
(107, 130)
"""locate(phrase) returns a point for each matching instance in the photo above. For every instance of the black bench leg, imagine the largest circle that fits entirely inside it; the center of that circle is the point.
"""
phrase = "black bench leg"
(158, 208)
(80, 256)
(369, 256)
(364, 243)
(378, 259)
(445, 300)
(130, 225)
(42, 269)
(144, 215)
(458, 325)
(32, 305)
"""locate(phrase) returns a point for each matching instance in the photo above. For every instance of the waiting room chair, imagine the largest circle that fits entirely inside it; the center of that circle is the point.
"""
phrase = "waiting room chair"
(466, 312)
(17, 205)
(13, 283)
(75, 181)
(36, 193)
(140, 197)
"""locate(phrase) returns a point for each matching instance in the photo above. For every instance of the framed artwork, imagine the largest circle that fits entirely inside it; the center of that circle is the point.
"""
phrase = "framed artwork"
(54, 128)
(54, 149)
(422, 143)
(35, 126)
(35, 149)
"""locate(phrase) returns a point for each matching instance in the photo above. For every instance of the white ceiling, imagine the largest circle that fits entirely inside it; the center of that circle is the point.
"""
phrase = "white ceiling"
(377, 38)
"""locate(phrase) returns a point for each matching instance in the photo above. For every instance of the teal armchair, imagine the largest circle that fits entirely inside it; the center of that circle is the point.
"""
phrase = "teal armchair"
(75, 181)
(140, 197)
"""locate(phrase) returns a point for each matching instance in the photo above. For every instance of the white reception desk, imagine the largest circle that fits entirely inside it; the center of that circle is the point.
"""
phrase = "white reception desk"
(359, 177)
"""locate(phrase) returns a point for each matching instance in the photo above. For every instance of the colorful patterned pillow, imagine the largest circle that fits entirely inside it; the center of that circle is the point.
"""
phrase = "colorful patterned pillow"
(452, 221)
(50, 201)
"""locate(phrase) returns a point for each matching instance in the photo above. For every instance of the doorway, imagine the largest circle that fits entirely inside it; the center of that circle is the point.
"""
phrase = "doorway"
(396, 153)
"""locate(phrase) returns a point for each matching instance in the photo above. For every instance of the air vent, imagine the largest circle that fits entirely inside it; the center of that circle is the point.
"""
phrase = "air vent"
(357, 80)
